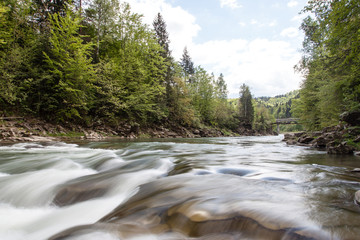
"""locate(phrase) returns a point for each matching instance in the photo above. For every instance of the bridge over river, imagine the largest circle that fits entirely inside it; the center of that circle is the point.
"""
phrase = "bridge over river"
(280, 121)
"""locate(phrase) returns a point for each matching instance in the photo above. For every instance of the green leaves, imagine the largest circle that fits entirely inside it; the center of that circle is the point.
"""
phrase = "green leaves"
(330, 62)
(69, 64)
(107, 66)
(246, 108)
(132, 72)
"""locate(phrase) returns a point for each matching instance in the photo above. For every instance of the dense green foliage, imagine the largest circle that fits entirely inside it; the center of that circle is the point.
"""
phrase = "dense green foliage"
(246, 108)
(270, 108)
(279, 106)
(330, 62)
(102, 64)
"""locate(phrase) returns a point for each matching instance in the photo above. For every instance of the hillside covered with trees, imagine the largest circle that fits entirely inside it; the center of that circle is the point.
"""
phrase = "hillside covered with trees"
(330, 63)
(101, 65)
(64, 63)
(267, 109)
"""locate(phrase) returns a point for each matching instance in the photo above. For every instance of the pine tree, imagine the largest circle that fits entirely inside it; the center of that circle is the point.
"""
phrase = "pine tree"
(162, 37)
(246, 109)
(222, 87)
(187, 65)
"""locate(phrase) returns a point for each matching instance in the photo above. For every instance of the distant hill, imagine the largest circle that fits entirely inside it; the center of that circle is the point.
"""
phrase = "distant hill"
(271, 108)
(280, 105)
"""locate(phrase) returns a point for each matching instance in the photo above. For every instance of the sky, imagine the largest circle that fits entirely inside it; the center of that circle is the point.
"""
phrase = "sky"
(256, 42)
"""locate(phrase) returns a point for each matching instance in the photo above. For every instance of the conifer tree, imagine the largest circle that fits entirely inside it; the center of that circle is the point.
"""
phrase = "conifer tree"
(221, 86)
(246, 109)
(187, 65)
(162, 37)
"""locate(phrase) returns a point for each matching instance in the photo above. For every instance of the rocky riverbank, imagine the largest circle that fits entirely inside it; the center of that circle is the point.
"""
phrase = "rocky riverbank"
(18, 129)
(340, 139)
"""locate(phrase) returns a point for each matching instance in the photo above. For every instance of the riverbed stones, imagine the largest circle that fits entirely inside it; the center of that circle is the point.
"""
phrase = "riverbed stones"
(335, 140)
(339, 149)
(92, 135)
(305, 139)
(210, 205)
(357, 197)
(235, 171)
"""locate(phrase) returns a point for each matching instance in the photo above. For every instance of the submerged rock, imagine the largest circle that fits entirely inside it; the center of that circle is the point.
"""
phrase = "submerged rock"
(235, 171)
(357, 197)
(81, 189)
(217, 206)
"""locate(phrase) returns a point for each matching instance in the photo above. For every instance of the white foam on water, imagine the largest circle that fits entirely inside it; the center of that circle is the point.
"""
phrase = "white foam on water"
(30, 216)
(95, 236)
(56, 155)
(42, 223)
(33, 189)
(60, 219)
(13, 220)
(4, 174)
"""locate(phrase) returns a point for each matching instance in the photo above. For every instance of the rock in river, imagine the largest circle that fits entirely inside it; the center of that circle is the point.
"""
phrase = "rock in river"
(217, 206)
(357, 197)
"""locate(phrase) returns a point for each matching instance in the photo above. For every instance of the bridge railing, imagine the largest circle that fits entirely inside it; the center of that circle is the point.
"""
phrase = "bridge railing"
(280, 121)
(286, 120)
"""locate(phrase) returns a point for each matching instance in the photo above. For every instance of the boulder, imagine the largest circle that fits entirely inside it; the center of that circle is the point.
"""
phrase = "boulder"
(357, 197)
(320, 142)
(196, 132)
(339, 149)
(305, 139)
(92, 135)
(299, 134)
(288, 136)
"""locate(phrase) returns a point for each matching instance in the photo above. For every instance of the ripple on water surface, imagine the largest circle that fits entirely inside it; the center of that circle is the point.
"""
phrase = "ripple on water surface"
(213, 188)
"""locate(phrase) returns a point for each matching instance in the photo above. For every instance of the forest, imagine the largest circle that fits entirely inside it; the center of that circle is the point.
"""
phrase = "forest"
(330, 63)
(62, 62)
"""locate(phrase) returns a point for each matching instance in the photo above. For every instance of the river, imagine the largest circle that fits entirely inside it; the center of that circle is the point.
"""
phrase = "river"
(208, 188)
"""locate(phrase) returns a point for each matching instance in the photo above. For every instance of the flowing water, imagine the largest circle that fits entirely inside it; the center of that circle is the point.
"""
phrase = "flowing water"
(209, 188)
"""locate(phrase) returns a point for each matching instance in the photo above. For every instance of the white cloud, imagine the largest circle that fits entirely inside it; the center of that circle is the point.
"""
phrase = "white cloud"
(243, 24)
(290, 32)
(230, 3)
(299, 18)
(292, 3)
(266, 66)
(253, 21)
(272, 23)
(181, 25)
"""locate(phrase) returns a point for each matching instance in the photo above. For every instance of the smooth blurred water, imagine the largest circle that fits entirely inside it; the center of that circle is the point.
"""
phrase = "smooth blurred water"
(291, 183)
